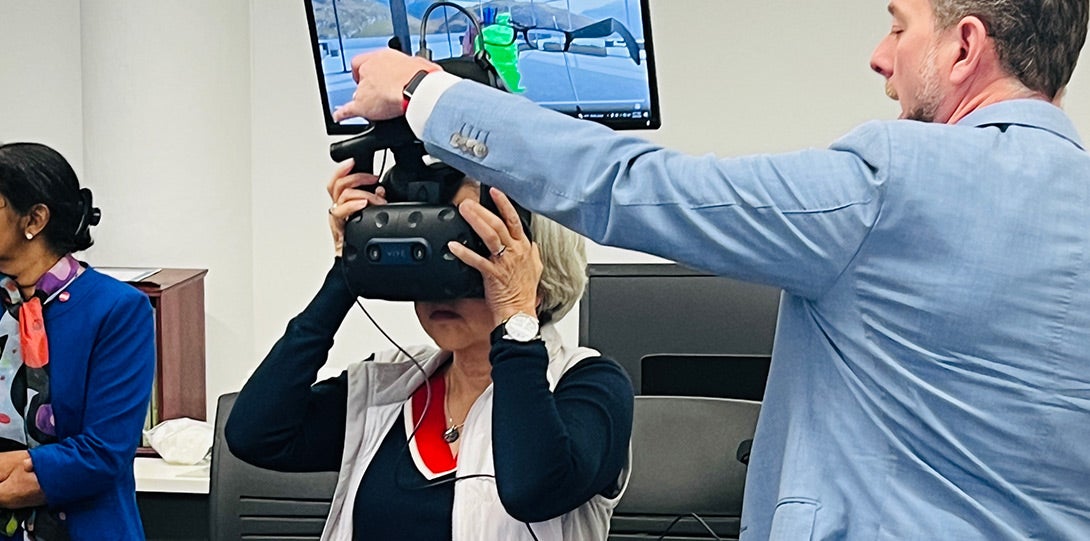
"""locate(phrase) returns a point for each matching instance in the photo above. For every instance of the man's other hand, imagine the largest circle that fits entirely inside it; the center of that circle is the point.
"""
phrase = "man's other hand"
(381, 75)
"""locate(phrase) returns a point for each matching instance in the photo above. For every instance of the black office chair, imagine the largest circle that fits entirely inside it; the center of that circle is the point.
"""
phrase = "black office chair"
(247, 502)
(699, 374)
(685, 460)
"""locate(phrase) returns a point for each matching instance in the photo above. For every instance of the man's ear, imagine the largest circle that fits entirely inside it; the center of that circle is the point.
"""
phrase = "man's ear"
(975, 49)
(36, 218)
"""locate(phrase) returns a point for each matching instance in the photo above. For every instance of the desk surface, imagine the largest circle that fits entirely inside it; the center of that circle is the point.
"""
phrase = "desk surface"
(155, 475)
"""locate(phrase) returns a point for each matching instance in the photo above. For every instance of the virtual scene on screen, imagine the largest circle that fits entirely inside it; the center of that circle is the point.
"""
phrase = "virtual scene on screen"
(585, 58)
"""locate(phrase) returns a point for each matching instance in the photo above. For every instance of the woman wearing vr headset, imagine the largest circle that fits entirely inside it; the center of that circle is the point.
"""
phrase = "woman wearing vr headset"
(511, 435)
(77, 357)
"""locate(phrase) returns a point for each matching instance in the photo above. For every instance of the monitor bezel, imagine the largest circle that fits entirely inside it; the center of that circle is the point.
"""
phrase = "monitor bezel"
(653, 122)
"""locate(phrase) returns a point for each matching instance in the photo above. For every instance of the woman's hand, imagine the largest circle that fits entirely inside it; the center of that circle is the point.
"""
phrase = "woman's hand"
(511, 274)
(19, 487)
(348, 199)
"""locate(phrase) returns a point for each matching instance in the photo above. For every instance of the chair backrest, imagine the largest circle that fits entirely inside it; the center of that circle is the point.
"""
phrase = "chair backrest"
(247, 502)
(684, 460)
(698, 374)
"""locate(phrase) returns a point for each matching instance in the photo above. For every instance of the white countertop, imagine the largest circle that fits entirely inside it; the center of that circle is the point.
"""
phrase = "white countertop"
(155, 475)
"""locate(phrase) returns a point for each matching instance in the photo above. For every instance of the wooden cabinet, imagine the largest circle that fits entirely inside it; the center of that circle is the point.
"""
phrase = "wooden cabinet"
(177, 295)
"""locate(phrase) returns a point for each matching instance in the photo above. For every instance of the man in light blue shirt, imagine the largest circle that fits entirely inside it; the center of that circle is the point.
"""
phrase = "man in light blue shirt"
(931, 371)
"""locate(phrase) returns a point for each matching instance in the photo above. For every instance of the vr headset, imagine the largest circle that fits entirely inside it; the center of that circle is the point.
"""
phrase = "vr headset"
(398, 251)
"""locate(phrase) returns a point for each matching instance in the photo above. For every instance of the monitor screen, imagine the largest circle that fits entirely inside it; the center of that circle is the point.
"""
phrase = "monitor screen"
(630, 311)
(591, 59)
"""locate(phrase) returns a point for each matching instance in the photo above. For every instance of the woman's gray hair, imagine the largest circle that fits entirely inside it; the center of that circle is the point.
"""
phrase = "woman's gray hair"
(564, 272)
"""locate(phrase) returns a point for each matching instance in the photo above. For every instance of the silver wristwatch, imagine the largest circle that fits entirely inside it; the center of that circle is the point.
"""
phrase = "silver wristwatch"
(521, 327)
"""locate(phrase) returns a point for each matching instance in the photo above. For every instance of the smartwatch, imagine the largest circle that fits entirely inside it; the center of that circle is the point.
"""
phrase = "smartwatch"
(521, 327)
(410, 88)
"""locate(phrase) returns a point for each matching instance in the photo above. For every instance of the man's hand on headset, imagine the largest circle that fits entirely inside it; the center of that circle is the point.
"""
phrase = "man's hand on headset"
(382, 75)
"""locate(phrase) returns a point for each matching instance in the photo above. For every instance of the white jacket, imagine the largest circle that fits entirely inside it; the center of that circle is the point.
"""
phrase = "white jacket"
(377, 391)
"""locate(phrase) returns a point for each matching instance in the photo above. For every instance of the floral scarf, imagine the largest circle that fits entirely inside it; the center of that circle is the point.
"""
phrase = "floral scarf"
(26, 411)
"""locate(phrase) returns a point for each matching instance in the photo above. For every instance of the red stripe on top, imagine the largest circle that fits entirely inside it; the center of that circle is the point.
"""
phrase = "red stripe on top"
(433, 449)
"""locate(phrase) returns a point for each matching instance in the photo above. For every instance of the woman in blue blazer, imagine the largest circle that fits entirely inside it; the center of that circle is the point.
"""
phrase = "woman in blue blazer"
(77, 358)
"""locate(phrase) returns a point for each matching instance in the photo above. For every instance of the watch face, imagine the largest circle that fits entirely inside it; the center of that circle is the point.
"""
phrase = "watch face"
(521, 327)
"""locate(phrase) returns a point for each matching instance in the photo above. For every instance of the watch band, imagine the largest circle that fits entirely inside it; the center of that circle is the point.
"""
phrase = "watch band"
(526, 329)
(497, 334)
(410, 88)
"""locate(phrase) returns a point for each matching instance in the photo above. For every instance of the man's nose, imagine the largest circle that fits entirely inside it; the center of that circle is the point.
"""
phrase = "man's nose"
(880, 59)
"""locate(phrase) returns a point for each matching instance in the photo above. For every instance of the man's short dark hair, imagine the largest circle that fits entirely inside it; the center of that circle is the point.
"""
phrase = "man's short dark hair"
(1038, 41)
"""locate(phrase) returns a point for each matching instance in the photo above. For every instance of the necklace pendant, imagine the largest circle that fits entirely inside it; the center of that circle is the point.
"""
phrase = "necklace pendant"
(450, 435)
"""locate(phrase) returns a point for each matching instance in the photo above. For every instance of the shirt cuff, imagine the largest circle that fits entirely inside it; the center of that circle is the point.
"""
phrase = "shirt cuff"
(427, 95)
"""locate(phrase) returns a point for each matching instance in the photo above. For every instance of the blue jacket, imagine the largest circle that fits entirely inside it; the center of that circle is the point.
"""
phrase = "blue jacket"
(931, 371)
(102, 352)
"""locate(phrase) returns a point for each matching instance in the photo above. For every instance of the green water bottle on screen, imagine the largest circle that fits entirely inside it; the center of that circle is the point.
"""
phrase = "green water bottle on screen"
(501, 42)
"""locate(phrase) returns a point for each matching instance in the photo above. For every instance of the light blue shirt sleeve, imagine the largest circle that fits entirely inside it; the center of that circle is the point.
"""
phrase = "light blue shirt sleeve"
(790, 220)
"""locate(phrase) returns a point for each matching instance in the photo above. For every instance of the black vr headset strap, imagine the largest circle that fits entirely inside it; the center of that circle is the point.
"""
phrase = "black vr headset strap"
(413, 182)
(524, 215)
(477, 68)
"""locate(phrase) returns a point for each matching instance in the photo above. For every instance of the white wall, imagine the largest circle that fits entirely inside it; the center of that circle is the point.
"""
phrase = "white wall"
(291, 242)
(199, 127)
(156, 97)
(40, 76)
(166, 112)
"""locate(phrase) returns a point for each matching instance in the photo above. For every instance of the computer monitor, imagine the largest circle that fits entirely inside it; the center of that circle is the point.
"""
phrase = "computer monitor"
(590, 59)
(633, 310)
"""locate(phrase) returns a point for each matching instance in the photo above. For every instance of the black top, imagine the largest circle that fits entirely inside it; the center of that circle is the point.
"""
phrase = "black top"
(552, 451)
(396, 501)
